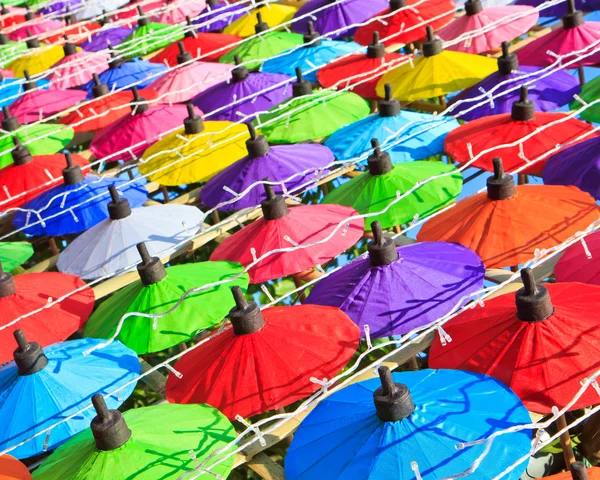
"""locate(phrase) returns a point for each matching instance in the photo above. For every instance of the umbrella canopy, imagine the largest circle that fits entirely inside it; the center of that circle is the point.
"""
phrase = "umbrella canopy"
(188, 155)
(281, 227)
(14, 254)
(158, 290)
(9, 51)
(397, 289)
(506, 224)
(13, 88)
(579, 263)
(132, 10)
(144, 443)
(489, 134)
(109, 246)
(274, 14)
(10, 16)
(36, 59)
(301, 341)
(436, 72)
(39, 27)
(176, 11)
(97, 9)
(577, 472)
(278, 163)
(77, 68)
(62, 7)
(12, 469)
(23, 294)
(560, 9)
(219, 15)
(103, 39)
(41, 387)
(548, 93)
(533, 342)
(589, 92)
(423, 133)
(392, 426)
(375, 190)
(310, 115)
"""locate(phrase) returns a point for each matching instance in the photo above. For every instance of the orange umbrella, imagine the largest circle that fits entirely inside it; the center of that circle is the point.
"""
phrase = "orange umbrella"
(12, 469)
(507, 224)
(578, 472)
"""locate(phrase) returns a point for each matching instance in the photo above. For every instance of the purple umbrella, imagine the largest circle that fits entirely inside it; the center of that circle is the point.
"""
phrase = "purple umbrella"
(548, 93)
(219, 15)
(103, 39)
(276, 163)
(336, 15)
(578, 165)
(560, 9)
(62, 6)
(395, 290)
(241, 90)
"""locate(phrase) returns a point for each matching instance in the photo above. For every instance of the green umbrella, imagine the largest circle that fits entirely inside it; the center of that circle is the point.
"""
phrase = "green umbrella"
(10, 51)
(374, 190)
(589, 92)
(143, 444)
(13, 254)
(158, 290)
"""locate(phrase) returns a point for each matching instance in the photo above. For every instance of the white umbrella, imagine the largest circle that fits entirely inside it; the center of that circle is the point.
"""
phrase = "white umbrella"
(111, 245)
(95, 8)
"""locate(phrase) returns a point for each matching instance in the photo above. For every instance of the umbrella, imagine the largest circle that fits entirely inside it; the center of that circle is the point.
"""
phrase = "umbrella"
(23, 294)
(75, 205)
(176, 11)
(424, 133)
(411, 422)
(144, 443)
(189, 78)
(281, 227)
(590, 91)
(97, 9)
(29, 176)
(188, 155)
(246, 94)
(559, 9)
(298, 163)
(254, 51)
(577, 471)
(60, 7)
(314, 55)
(375, 190)
(579, 263)
(273, 14)
(10, 50)
(507, 224)
(533, 342)
(36, 59)
(507, 22)
(109, 246)
(129, 136)
(41, 387)
(103, 39)
(407, 24)
(365, 70)
(12, 469)
(310, 115)
(551, 92)
(436, 72)
(72, 28)
(10, 16)
(40, 27)
(396, 289)
(14, 254)
(132, 10)
(159, 290)
(490, 134)
(11, 89)
(219, 15)
(266, 360)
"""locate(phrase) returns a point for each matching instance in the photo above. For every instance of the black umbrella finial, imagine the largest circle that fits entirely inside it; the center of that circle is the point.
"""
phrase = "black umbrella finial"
(9, 123)
(533, 301)
(3, 38)
(578, 471)
(507, 62)
(523, 109)
(376, 49)
(257, 145)
(240, 72)
(183, 56)
(473, 7)
(397, 5)
(260, 26)
(380, 162)
(4, 10)
(32, 42)
(245, 317)
(274, 206)
(389, 106)
(21, 155)
(151, 270)
(190, 33)
(143, 20)
(193, 124)
(69, 48)
(393, 401)
(115, 61)
(139, 104)
(29, 356)
(311, 36)
(301, 86)
(72, 174)
(573, 18)
(382, 250)
(29, 15)
(108, 426)
(29, 84)
(433, 46)
(500, 186)
(99, 89)
(7, 283)
(118, 208)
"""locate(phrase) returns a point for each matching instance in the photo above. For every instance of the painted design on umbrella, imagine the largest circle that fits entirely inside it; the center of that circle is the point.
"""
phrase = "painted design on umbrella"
(219, 15)
(109, 246)
(274, 14)
(14, 254)
(527, 342)
(281, 227)
(560, 9)
(579, 263)
(131, 446)
(195, 153)
(392, 426)
(36, 59)
(374, 190)
(177, 11)
(507, 224)
(423, 133)
(590, 91)
(436, 72)
(278, 163)
(310, 115)
(41, 387)
(397, 289)
(23, 294)
(489, 134)
(11, 89)
(12, 469)
(301, 341)
(548, 93)
(105, 38)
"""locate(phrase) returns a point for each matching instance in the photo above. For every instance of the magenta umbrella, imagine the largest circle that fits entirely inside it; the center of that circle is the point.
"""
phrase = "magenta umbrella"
(176, 11)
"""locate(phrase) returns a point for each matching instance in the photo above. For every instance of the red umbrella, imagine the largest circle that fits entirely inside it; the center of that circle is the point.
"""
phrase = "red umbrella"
(281, 227)
(541, 345)
(580, 262)
(266, 360)
(131, 12)
(484, 133)
(26, 293)
(11, 16)
(360, 67)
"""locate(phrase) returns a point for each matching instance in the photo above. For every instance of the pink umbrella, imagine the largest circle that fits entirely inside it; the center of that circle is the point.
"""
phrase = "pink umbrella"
(34, 29)
(581, 262)
(503, 24)
(136, 132)
(176, 11)
(130, 12)
(6, 73)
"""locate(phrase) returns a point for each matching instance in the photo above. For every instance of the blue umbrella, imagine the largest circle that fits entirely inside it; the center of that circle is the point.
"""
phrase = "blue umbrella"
(11, 89)
(67, 198)
(355, 139)
(42, 387)
(370, 431)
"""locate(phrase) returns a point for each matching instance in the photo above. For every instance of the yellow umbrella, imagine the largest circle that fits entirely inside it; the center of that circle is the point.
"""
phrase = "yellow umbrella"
(37, 58)
(193, 143)
(272, 13)
(436, 72)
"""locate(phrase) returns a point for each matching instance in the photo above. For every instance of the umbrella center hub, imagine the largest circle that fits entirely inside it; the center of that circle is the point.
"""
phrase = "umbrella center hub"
(246, 320)
(21, 155)
(572, 19)
(376, 50)
(501, 188)
(473, 7)
(257, 147)
(380, 163)
(239, 74)
(110, 431)
(274, 208)
(397, 5)
(534, 306)
(395, 405)
(7, 285)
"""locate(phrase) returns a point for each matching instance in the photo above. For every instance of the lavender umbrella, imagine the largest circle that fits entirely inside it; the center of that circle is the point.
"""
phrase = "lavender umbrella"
(103, 39)
(560, 9)
(218, 15)
(395, 290)
(276, 163)
(548, 93)
(241, 92)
